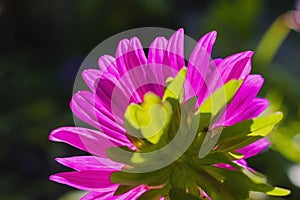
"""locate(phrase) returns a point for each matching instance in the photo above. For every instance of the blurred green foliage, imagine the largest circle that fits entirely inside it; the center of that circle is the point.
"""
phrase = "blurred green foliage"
(42, 44)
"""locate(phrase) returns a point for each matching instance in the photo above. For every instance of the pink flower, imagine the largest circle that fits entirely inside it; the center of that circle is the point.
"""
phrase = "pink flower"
(126, 79)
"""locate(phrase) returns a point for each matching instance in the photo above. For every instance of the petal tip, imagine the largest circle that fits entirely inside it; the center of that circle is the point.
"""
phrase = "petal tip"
(55, 178)
(180, 31)
(52, 135)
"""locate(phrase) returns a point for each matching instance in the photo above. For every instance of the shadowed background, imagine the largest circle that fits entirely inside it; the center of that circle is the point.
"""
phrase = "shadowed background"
(43, 42)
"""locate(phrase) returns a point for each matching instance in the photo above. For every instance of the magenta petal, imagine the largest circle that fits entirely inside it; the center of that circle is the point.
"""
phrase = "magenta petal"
(156, 54)
(129, 54)
(90, 76)
(107, 64)
(216, 62)
(131, 63)
(224, 166)
(254, 148)
(85, 139)
(84, 107)
(137, 64)
(133, 194)
(200, 57)
(241, 162)
(196, 80)
(83, 163)
(97, 195)
(174, 56)
(85, 180)
(236, 66)
(136, 55)
(254, 109)
(121, 52)
(157, 50)
(242, 99)
(110, 90)
(213, 77)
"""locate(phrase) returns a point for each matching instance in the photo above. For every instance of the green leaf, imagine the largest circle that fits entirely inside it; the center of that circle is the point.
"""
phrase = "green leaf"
(262, 132)
(174, 87)
(214, 158)
(175, 119)
(178, 194)
(215, 104)
(277, 191)
(212, 185)
(240, 183)
(153, 178)
(155, 194)
(123, 189)
(235, 144)
(255, 127)
(120, 154)
(137, 158)
(255, 177)
(210, 141)
(236, 155)
(220, 98)
(247, 132)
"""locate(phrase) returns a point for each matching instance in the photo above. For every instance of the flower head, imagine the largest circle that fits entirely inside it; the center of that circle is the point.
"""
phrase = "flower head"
(164, 128)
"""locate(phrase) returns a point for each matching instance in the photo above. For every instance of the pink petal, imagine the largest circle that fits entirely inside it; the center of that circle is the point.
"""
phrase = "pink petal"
(198, 66)
(240, 162)
(84, 163)
(110, 92)
(137, 66)
(92, 141)
(84, 107)
(242, 100)
(236, 66)
(121, 52)
(136, 58)
(85, 180)
(133, 194)
(254, 148)
(116, 94)
(97, 195)
(174, 56)
(130, 55)
(254, 109)
(224, 166)
(157, 51)
(107, 64)
(136, 55)
(213, 79)
(90, 76)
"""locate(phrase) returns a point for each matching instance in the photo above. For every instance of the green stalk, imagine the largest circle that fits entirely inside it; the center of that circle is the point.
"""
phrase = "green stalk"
(271, 41)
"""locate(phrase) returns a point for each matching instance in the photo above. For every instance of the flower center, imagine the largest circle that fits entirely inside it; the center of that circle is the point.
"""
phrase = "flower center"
(151, 117)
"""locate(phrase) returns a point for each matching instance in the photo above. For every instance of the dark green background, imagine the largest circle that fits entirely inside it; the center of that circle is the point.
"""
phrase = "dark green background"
(43, 42)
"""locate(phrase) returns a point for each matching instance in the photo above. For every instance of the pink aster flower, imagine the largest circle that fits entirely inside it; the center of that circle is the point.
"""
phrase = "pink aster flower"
(123, 89)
